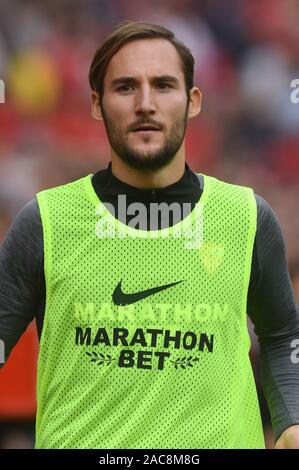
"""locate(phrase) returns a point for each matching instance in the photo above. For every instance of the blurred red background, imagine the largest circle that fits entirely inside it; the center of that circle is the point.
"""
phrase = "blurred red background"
(247, 54)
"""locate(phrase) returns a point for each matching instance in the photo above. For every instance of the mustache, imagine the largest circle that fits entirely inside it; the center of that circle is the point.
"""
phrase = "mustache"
(148, 122)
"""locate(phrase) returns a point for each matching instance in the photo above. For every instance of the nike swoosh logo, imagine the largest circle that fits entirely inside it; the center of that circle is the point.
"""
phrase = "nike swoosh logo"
(121, 298)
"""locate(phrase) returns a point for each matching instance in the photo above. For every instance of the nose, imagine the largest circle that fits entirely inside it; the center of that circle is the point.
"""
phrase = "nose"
(144, 101)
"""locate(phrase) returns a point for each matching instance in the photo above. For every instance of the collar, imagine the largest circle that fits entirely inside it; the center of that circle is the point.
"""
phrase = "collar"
(187, 189)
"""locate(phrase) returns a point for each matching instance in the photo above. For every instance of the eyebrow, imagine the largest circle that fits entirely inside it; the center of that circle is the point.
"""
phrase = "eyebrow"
(134, 81)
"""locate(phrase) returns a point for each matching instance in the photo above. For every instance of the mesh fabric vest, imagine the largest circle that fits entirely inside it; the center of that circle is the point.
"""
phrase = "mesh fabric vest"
(145, 341)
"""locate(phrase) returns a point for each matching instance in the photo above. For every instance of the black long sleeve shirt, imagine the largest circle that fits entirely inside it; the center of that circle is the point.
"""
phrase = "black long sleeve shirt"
(271, 303)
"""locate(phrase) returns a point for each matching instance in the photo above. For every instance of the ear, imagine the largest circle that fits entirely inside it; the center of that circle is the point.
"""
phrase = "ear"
(95, 106)
(195, 102)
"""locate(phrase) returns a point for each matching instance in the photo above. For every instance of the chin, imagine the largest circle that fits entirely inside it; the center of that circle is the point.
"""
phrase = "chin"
(147, 150)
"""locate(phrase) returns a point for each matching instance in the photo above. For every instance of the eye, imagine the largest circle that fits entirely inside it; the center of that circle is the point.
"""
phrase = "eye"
(125, 88)
(163, 86)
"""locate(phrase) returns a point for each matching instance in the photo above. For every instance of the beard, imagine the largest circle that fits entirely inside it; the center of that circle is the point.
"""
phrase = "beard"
(152, 159)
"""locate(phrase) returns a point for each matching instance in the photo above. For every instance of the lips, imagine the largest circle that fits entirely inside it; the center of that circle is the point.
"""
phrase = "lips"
(145, 129)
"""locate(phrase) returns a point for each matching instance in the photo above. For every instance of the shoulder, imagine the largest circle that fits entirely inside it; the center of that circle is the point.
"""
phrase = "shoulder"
(269, 232)
(214, 182)
(266, 213)
(24, 238)
(69, 187)
(27, 219)
(230, 194)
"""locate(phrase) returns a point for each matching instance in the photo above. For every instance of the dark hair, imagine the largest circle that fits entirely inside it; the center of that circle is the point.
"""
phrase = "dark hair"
(128, 31)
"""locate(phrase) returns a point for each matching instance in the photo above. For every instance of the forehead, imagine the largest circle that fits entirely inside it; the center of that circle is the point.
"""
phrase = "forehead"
(145, 56)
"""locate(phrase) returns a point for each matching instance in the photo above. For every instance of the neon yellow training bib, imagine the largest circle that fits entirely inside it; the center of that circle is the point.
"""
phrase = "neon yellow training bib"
(145, 342)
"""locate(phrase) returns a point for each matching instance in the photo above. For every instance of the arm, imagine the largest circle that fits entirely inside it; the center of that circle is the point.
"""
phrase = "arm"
(21, 275)
(273, 310)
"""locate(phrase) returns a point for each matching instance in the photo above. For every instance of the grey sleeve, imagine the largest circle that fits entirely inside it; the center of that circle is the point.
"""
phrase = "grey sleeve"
(22, 289)
(274, 312)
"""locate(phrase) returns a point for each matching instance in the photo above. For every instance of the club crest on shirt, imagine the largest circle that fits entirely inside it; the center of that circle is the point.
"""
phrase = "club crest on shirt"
(211, 256)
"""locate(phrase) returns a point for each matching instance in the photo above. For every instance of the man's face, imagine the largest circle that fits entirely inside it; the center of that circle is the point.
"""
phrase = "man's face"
(144, 87)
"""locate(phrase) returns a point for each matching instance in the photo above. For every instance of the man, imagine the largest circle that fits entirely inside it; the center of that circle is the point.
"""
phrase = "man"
(142, 320)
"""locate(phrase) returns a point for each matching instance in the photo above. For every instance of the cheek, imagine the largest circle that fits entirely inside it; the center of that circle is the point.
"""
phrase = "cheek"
(175, 107)
(117, 119)
(119, 104)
